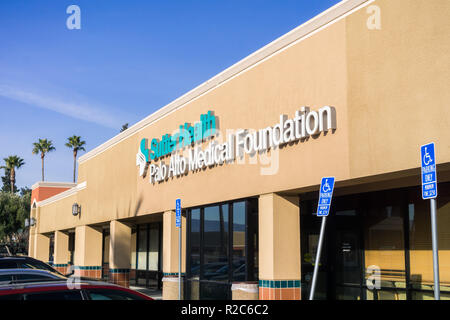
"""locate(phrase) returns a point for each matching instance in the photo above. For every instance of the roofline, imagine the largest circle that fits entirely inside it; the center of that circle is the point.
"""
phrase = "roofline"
(62, 195)
(53, 185)
(323, 20)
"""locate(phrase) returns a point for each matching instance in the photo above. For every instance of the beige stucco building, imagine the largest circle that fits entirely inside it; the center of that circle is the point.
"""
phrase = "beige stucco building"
(249, 229)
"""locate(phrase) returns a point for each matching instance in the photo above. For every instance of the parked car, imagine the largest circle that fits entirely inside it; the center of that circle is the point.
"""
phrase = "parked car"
(12, 276)
(4, 250)
(24, 262)
(64, 290)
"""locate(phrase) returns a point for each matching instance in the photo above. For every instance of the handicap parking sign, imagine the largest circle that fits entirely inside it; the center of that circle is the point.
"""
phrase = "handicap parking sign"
(178, 213)
(326, 193)
(429, 179)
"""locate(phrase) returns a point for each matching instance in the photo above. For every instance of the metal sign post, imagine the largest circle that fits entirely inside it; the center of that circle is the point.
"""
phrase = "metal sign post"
(429, 191)
(323, 209)
(178, 225)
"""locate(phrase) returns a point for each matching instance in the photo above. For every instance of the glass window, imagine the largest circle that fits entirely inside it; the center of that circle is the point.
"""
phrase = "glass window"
(106, 239)
(133, 249)
(154, 247)
(142, 248)
(8, 264)
(56, 295)
(71, 247)
(385, 249)
(34, 264)
(193, 289)
(310, 227)
(214, 291)
(51, 248)
(195, 243)
(108, 294)
(239, 259)
(5, 278)
(221, 248)
(33, 277)
(215, 246)
(421, 255)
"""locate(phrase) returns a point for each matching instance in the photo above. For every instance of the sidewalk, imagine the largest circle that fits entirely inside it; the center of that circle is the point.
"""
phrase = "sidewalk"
(155, 294)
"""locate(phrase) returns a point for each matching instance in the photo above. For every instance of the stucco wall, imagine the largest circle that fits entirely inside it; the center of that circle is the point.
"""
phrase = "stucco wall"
(388, 87)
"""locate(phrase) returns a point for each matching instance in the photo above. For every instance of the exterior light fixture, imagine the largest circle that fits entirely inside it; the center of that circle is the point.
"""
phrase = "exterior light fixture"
(76, 209)
(30, 222)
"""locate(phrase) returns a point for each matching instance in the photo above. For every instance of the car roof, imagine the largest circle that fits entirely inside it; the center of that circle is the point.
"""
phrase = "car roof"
(16, 257)
(57, 285)
(29, 271)
(65, 283)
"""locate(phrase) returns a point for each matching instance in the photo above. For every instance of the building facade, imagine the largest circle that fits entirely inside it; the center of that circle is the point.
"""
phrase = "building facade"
(352, 93)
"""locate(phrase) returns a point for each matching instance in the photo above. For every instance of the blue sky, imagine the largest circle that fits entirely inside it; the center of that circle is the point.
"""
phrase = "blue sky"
(129, 59)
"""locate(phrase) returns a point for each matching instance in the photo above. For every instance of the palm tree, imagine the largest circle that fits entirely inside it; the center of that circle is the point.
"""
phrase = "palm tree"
(124, 127)
(12, 163)
(43, 146)
(76, 145)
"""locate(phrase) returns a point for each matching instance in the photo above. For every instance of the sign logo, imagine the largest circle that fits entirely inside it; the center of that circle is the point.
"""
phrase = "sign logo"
(304, 124)
(186, 136)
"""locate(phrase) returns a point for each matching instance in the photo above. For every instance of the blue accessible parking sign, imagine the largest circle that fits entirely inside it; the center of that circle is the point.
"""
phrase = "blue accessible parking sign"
(178, 213)
(429, 179)
(326, 193)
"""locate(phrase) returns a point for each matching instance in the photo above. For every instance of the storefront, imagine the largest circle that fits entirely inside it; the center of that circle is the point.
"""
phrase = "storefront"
(222, 248)
(382, 235)
(352, 93)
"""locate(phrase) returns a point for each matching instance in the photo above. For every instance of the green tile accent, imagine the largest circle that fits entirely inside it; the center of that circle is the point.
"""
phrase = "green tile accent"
(60, 265)
(172, 274)
(279, 283)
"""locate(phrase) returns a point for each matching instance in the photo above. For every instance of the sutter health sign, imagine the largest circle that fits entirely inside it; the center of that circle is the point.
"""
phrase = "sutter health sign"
(305, 123)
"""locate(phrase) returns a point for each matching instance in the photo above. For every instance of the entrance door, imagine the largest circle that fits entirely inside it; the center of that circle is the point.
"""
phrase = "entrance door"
(148, 257)
(345, 255)
(340, 273)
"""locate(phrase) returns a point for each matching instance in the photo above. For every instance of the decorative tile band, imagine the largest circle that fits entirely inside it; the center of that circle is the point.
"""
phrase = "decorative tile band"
(119, 270)
(279, 284)
(280, 290)
(87, 267)
(172, 274)
(60, 265)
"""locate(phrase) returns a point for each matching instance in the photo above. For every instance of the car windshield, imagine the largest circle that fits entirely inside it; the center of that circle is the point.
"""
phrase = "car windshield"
(112, 294)
(34, 265)
(28, 277)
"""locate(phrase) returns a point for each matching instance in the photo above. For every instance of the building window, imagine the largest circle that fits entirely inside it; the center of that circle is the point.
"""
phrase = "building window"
(221, 248)
(377, 246)
(71, 247)
(148, 255)
(384, 245)
(420, 246)
(51, 249)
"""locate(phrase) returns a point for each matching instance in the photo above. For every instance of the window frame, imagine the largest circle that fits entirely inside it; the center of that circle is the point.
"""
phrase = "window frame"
(250, 203)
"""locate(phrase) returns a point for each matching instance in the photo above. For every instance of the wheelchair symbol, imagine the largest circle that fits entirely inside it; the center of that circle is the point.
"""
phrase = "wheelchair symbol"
(427, 158)
(326, 187)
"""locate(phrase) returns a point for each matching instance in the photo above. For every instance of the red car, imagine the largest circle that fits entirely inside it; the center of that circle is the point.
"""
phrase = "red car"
(64, 290)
